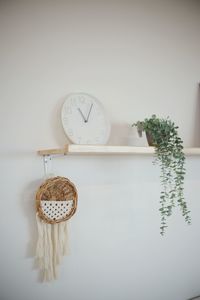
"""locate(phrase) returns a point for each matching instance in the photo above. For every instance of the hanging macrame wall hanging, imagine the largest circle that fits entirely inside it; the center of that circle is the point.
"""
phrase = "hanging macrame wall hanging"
(56, 202)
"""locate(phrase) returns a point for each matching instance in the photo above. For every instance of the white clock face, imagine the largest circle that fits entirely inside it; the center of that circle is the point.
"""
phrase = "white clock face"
(84, 120)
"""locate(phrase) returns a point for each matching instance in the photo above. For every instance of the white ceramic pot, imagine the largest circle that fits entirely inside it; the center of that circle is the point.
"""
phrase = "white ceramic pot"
(134, 139)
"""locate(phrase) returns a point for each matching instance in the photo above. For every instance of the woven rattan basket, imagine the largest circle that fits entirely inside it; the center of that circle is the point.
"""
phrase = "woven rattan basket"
(56, 200)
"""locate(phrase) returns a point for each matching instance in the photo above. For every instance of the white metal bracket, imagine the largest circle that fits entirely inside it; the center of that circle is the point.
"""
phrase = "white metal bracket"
(47, 161)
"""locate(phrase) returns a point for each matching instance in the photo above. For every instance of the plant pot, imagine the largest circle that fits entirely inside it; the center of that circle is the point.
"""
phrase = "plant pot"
(149, 138)
(135, 139)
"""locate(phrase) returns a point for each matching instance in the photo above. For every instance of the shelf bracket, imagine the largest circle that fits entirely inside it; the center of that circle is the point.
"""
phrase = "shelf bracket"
(61, 151)
(47, 162)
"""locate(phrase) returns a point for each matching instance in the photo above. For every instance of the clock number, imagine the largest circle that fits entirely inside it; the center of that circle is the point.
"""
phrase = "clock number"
(65, 120)
(68, 110)
(79, 140)
(98, 113)
(82, 99)
(70, 132)
(73, 102)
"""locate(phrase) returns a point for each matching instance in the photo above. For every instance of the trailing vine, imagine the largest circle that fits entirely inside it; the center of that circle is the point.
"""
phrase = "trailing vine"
(171, 159)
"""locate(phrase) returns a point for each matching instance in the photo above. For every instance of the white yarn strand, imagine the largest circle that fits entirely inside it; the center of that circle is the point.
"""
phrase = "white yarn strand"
(52, 245)
(66, 249)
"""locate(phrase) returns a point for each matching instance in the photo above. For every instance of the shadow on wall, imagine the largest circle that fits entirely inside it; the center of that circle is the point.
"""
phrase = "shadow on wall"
(196, 137)
(119, 134)
(28, 206)
(195, 298)
(56, 124)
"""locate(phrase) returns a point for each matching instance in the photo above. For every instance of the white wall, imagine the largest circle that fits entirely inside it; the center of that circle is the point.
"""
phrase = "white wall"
(138, 58)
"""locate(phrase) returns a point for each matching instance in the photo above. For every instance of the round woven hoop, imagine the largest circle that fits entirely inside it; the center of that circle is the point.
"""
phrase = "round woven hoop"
(56, 189)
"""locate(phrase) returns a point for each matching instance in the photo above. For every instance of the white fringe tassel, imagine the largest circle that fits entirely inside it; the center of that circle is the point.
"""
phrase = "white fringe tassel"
(52, 245)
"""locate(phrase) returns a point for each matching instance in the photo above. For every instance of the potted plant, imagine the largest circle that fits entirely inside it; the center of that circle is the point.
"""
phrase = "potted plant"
(163, 135)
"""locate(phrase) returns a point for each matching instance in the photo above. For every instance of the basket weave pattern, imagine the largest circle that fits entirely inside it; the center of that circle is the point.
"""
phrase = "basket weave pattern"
(56, 189)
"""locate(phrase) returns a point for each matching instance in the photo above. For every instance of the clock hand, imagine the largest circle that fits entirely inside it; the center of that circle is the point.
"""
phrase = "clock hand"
(89, 112)
(82, 115)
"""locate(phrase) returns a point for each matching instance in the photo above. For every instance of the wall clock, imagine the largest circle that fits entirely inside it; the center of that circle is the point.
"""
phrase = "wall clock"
(84, 119)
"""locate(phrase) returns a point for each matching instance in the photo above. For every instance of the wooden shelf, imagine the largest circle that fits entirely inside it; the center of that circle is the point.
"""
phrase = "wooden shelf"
(101, 149)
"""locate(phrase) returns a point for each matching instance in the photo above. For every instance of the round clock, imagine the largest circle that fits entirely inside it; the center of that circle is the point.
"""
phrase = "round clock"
(84, 119)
